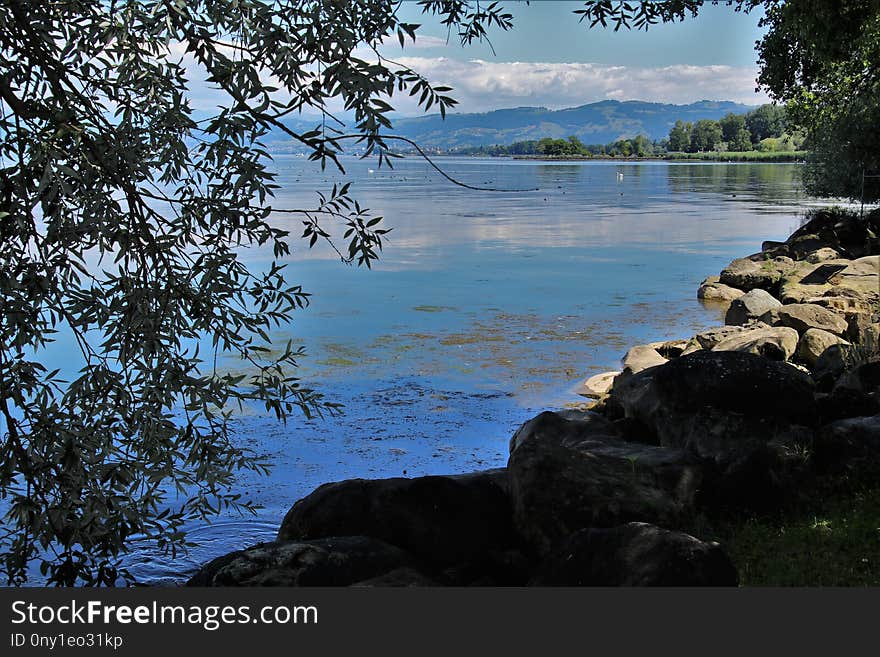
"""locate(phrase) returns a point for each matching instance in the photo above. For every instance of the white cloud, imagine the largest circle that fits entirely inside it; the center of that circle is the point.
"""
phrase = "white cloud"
(481, 86)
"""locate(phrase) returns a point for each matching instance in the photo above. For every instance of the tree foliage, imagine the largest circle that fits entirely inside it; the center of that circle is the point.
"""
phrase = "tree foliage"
(123, 216)
(822, 60)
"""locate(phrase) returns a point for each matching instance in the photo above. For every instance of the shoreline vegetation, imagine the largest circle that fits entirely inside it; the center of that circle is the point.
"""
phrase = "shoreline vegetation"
(741, 156)
(744, 455)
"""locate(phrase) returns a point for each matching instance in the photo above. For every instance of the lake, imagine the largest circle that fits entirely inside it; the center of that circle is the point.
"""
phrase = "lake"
(485, 308)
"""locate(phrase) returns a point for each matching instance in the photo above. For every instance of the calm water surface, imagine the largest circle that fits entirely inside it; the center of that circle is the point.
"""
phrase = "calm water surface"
(485, 308)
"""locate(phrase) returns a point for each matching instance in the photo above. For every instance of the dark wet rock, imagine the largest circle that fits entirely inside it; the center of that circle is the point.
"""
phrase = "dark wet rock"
(440, 520)
(547, 427)
(742, 415)
(833, 362)
(813, 344)
(569, 474)
(849, 447)
(399, 577)
(735, 381)
(845, 232)
(774, 343)
(336, 561)
(636, 554)
(804, 316)
(863, 378)
(842, 403)
(771, 249)
(750, 306)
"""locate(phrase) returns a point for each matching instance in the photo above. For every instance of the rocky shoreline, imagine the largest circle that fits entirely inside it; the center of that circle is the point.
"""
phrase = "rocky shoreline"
(747, 416)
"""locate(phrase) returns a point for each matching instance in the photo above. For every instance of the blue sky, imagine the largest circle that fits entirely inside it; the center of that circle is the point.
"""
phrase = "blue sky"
(550, 59)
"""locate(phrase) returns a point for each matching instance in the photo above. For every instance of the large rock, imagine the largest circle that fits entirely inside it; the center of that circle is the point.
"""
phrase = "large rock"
(711, 337)
(864, 330)
(597, 386)
(712, 289)
(737, 382)
(813, 344)
(742, 415)
(863, 378)
(807, 281)
(804, 316)
(636, 554)
(750, 306)
(641, 357)
(843, 301)
(756, 272)
(850, 447)
(336, 561)
(443, 521)
(831, 364)
(570, 474)
(398, 578)
(828, 227)
(774, 343)
(821, 255)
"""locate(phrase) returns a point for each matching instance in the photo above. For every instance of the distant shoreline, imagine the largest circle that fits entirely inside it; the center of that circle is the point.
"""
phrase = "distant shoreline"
(746, 157)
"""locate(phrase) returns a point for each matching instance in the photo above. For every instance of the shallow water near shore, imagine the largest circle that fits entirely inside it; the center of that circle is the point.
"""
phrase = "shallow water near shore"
(485, 308)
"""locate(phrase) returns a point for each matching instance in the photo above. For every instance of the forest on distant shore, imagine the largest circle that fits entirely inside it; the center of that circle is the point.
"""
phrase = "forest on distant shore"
(757, 135)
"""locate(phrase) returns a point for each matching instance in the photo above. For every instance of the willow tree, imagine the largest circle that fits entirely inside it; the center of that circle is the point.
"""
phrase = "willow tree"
(123, 216)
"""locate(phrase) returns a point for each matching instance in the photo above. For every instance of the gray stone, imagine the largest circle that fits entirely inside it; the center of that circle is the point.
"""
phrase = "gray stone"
(821, 255)
(755, 272)
(813, 344)
(597, 386)
(803, 316)
(710, 337)
(750, 306)
(808, 280)
(692, 345)
(712, 289)
(641, 357)
(775, 343)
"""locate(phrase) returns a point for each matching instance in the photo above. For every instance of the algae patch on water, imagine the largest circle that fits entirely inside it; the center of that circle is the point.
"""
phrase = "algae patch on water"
(433, 309)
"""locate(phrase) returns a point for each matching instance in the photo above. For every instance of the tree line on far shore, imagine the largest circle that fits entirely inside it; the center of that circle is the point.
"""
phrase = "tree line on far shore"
(763, 130)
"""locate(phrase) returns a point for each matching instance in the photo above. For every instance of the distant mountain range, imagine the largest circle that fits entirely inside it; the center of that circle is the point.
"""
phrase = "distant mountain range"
(595, 123)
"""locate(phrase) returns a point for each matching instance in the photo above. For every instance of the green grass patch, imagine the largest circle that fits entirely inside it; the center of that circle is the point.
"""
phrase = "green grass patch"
(834, 541)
